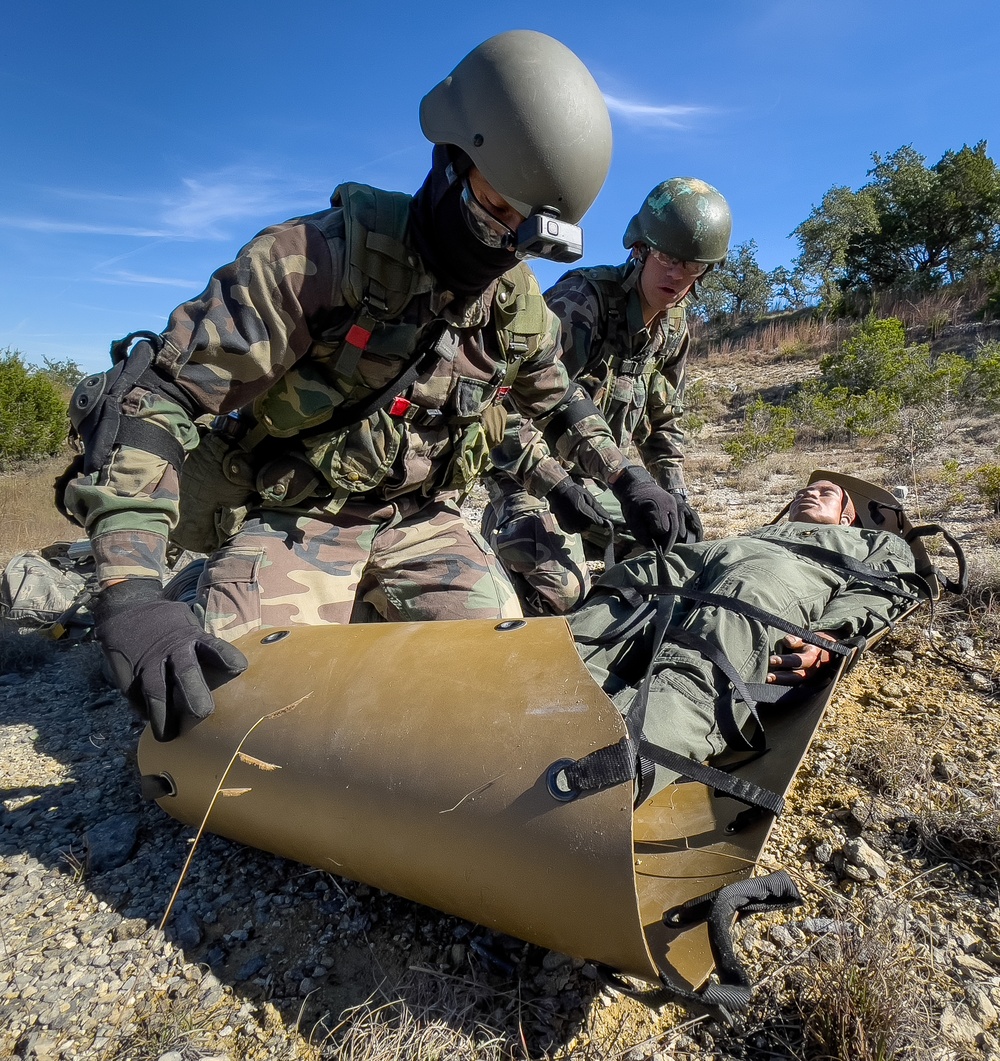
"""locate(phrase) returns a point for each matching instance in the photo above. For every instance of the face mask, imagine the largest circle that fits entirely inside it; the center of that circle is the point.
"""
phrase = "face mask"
(451, 250)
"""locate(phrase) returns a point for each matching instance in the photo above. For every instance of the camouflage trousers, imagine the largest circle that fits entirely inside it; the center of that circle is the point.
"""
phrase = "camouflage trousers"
(547, 565)
(399, 560)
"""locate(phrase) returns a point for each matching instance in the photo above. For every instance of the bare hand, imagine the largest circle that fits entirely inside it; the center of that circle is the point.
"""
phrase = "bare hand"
(798, 661)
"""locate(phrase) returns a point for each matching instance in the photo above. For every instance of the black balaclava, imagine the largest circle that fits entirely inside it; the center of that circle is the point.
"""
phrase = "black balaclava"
(450, 249)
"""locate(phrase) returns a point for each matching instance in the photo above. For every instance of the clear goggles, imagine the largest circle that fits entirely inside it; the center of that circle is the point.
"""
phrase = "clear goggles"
(693, 269)
(488, 229)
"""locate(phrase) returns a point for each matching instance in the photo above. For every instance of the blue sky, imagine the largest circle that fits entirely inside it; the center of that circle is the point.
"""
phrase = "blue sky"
(144, 143)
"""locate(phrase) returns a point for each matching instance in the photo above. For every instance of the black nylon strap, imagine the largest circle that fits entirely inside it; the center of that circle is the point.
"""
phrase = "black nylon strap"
(635, 716)
(618, 763)
(605, 768)
(715, 999)
(96, 407)
(858, 569)
(930, 529)
(141, 434)
(733, 604)
(724, 710)
(347, 415)
(642, 611)
(737, 788)
(720, 908)
(567, 415)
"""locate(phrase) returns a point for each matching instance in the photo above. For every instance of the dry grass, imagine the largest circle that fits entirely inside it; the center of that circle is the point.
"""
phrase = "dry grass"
(861, 994)
(28, 516)
(951, 818)
(163, 1025)
(892, 763)
(23, 651)
(790, 338)
(427, 1015)
(939, 317)
(982, 599)
(962, 825)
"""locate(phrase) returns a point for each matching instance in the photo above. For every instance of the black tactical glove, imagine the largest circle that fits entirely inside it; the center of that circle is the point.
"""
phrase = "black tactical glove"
(160, 656)
(689, 522)
(575, 507)
(650, 511)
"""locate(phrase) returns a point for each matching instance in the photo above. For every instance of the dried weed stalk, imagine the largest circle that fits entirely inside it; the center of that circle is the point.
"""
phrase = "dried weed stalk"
(222, 790)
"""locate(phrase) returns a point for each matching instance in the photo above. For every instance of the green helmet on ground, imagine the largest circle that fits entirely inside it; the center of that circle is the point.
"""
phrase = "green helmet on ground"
(685, 218)
(529, 114)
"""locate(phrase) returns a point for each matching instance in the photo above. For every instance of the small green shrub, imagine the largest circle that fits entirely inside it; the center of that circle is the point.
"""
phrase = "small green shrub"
(952, 476)
(876, 358)
(33, 418)
(873, 414)
(947, 377)
(820, 411)
(700, 405)
(766, 429)
(834, 414)
(982, 383)
(987, 480)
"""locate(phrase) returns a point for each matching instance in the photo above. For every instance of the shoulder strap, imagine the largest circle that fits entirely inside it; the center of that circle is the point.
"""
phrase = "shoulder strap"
(612, 303)
(521, 317)
(381, 274)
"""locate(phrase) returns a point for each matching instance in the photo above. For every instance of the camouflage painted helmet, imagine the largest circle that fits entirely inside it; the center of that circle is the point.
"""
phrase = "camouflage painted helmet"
(529, 114)
(685, 218)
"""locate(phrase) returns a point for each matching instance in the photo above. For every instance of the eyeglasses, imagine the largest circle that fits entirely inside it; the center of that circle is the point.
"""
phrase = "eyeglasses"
(694, 269)
(487, 229)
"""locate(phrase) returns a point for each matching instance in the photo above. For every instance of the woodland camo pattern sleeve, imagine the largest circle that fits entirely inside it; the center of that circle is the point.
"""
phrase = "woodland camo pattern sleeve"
(659, 437)
(223, 348)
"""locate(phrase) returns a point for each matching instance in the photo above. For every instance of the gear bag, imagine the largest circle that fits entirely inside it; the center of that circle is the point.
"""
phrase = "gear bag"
(50, 589)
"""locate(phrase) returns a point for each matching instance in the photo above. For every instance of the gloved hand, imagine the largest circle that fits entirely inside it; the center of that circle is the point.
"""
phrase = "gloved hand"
(575, 507)
(689, 522)
(650, 511)
(160, 656)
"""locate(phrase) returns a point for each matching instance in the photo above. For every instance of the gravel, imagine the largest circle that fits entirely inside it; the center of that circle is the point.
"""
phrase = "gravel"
(261, 956)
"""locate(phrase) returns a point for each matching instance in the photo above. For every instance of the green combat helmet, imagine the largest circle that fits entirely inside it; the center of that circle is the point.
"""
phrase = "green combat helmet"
(529, 114)
(684, 218)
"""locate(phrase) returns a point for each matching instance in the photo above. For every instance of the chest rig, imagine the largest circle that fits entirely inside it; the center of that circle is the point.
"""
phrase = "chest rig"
(339, 422)
(616, 377)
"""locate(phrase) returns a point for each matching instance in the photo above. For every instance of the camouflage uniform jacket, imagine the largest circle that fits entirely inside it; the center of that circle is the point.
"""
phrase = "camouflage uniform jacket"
(268, 332)
(635, 376)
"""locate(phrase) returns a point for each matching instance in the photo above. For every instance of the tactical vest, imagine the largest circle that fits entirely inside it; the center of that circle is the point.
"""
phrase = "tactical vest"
(288, 456)
(618, 381)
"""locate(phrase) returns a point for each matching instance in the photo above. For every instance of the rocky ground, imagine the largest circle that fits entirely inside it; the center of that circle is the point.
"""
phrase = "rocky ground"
(891, 834)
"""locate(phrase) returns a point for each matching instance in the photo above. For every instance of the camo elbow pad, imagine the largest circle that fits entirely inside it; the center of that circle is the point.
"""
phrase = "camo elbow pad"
(95, 410)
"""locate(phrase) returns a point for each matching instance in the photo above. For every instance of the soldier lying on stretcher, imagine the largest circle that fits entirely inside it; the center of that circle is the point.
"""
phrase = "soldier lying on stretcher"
(766, 570)
(674, 636)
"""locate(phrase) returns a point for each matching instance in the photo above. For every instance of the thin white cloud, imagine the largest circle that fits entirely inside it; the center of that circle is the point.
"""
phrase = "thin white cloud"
(124, 277)
(40, 224)
(664, 116)
(206, 203)
(201, 208)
